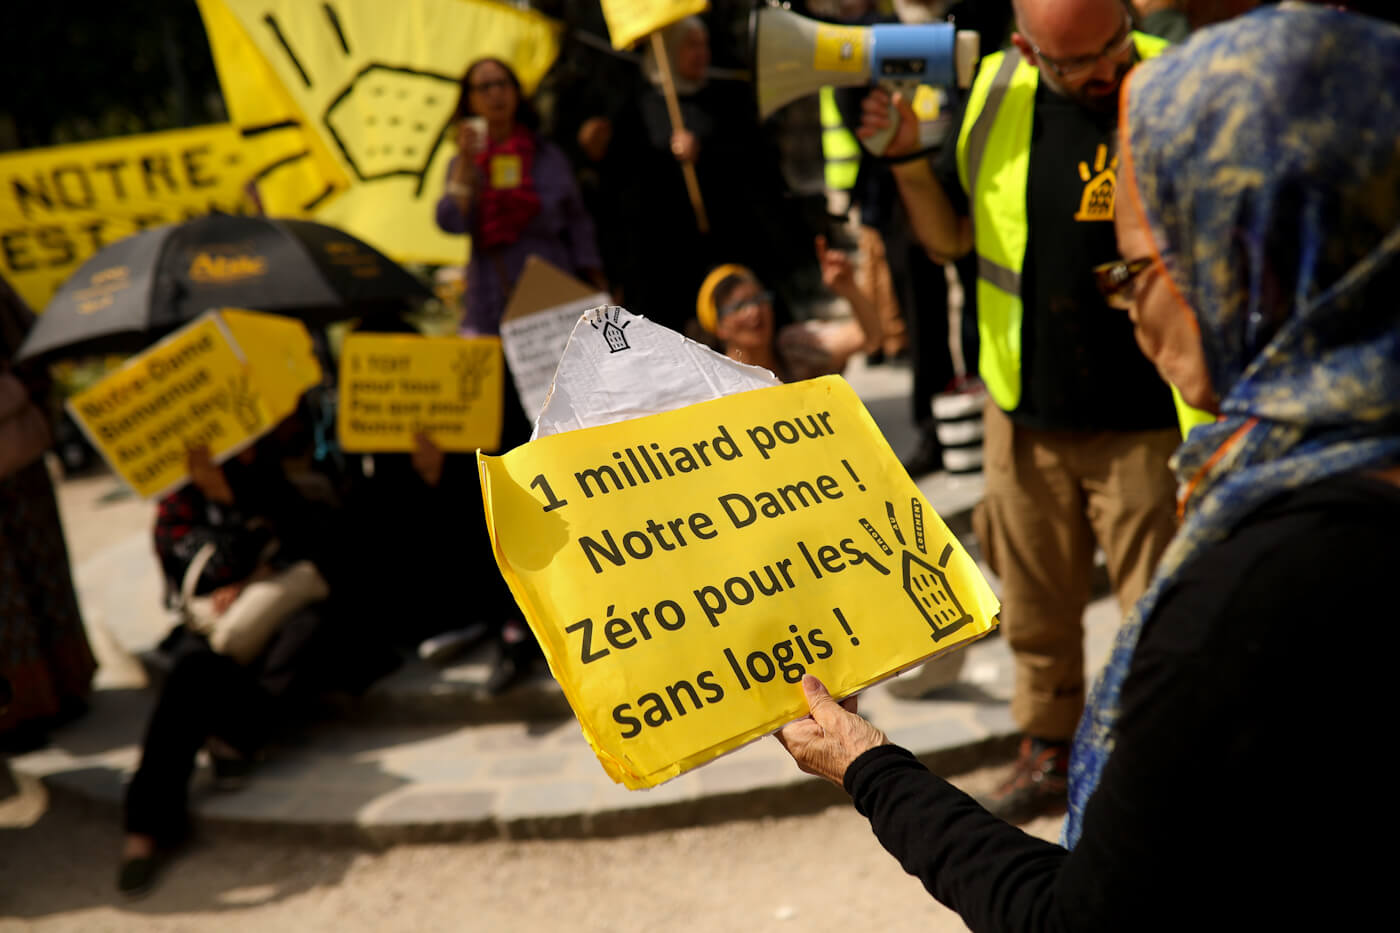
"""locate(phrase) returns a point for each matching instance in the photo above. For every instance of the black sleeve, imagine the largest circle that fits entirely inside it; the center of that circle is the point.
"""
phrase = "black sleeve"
(945, 167)
(1192, 824)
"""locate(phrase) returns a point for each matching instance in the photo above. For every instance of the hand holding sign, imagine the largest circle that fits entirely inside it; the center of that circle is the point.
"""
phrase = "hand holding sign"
(826, 741)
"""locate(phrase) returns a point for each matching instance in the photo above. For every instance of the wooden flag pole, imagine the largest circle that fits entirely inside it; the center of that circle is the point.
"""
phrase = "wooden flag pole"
(673, 105)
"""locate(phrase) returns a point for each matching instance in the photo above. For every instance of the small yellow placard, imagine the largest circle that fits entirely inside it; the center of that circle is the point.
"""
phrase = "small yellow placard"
(199, 386)
(840, 48)
(393, 387)
(505, 172)
(682, 571)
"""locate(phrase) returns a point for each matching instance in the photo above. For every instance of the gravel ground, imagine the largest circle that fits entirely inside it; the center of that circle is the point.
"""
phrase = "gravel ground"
(822, 872)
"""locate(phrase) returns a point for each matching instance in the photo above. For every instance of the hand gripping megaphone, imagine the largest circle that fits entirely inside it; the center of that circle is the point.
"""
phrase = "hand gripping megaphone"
(796, 56)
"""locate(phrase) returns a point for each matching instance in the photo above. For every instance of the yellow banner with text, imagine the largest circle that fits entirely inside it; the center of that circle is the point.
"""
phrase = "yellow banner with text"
(394, 387)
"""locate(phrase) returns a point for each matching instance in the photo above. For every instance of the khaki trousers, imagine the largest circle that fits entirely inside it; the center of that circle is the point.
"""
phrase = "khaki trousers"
(1050, 496)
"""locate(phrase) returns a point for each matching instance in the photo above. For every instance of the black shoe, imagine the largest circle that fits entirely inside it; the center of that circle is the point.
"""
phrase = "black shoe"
(1037, 786)
(927, 457)
(513, 663)
(230, 774)
(138, 875)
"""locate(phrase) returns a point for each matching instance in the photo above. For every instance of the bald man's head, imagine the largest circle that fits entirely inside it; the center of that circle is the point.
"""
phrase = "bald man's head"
(1083, 48)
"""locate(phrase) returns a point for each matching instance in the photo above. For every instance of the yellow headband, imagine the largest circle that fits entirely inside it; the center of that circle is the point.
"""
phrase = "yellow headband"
(705, 310)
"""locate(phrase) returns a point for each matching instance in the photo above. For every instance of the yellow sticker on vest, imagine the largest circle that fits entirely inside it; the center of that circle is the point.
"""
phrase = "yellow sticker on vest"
(840, 48)
(505, 171)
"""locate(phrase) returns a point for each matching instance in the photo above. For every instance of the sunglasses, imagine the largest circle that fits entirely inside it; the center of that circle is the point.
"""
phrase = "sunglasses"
(742, 303)
(1116, 279)
(481, 87)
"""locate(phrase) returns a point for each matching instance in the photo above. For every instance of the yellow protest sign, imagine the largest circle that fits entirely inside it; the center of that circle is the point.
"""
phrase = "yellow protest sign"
(683, 570)
(197, 386)
(60, 205)
(394, 386)
(378, 82)
(630, 20)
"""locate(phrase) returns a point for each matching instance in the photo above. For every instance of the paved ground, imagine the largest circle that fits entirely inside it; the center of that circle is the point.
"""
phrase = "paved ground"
(822, 873)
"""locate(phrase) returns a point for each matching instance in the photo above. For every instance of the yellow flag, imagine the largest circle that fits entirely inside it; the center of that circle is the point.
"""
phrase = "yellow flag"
(199, 386)
(60, 205)
(630, 20)
(378, 82)
(682, 571)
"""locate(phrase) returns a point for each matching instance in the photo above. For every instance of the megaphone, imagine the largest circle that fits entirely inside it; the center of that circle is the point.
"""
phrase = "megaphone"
(796, 56)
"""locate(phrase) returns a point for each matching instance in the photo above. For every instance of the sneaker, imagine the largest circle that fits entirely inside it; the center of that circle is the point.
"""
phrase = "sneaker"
(1037, 786)
(441, 649)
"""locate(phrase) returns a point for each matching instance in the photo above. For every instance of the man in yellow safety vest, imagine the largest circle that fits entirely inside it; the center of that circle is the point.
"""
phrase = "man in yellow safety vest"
(1079, 426)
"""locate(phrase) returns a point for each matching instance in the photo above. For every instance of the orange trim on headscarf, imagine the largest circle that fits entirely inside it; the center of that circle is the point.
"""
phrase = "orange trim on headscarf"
(1220, 451)
(1125, 148)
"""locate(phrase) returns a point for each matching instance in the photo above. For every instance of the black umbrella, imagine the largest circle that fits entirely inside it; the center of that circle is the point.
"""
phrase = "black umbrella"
(149, 284)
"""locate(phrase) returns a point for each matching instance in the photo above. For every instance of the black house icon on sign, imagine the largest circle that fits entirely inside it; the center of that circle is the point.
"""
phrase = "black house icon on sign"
(927, 586)
(616, 339)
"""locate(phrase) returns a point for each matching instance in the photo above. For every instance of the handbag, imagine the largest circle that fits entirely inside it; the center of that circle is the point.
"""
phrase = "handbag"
(245, 628)
(24, 430)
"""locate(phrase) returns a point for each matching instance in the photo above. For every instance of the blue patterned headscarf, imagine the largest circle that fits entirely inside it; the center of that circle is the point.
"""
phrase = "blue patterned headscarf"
(1266, 152)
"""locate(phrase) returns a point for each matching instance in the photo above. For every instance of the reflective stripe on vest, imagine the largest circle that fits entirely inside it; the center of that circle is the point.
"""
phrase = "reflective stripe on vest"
(994, 146)
(839, 146)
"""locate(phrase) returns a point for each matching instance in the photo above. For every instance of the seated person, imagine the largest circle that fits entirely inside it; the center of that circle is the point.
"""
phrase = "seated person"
(251, 559)
(415, 521)
(736, 315)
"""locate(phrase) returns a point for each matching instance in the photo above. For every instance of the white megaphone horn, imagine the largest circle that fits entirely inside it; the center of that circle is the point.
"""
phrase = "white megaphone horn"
(795, 56)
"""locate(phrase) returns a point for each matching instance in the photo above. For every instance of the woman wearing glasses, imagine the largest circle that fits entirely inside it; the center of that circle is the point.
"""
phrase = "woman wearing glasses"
(1259, 221)
(736, 314)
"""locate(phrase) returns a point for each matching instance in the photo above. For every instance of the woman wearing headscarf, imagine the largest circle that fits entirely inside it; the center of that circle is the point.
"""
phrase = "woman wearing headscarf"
(1259, 221)
(44, 654)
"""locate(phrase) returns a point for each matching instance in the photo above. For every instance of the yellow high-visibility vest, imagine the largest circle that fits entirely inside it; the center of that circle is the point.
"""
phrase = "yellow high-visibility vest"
(994, 157)
(840, 150)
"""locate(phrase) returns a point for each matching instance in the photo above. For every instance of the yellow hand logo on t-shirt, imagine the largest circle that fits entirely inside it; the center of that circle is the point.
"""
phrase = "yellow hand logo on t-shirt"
(1099, 187)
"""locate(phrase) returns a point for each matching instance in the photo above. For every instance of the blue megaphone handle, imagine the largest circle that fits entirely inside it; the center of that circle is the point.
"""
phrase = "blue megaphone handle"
(903, 57)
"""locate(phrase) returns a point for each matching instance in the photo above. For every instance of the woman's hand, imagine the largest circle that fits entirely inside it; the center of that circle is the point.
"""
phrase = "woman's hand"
(594, 137)
(826, 742)
(224, 596)
(208, 476)
(838, 274)
(428, 459)
(685, 146)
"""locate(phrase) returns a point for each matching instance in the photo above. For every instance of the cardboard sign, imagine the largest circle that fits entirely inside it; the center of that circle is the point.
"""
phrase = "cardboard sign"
(199, 386)
(630, 20)
(683, 570)
(535, 328)
(393, 387)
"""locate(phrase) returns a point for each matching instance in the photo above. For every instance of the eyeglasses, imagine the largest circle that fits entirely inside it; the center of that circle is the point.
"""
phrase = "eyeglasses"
(761, 298)
(1116, 280)
(1070, 69)
(481, 87)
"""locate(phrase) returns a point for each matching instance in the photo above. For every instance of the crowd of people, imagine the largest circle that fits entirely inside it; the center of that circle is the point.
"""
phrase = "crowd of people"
(1237, 197)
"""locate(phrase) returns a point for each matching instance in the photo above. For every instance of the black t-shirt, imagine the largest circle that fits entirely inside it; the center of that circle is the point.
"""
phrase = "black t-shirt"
(1081, 368)
(1243, 785)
